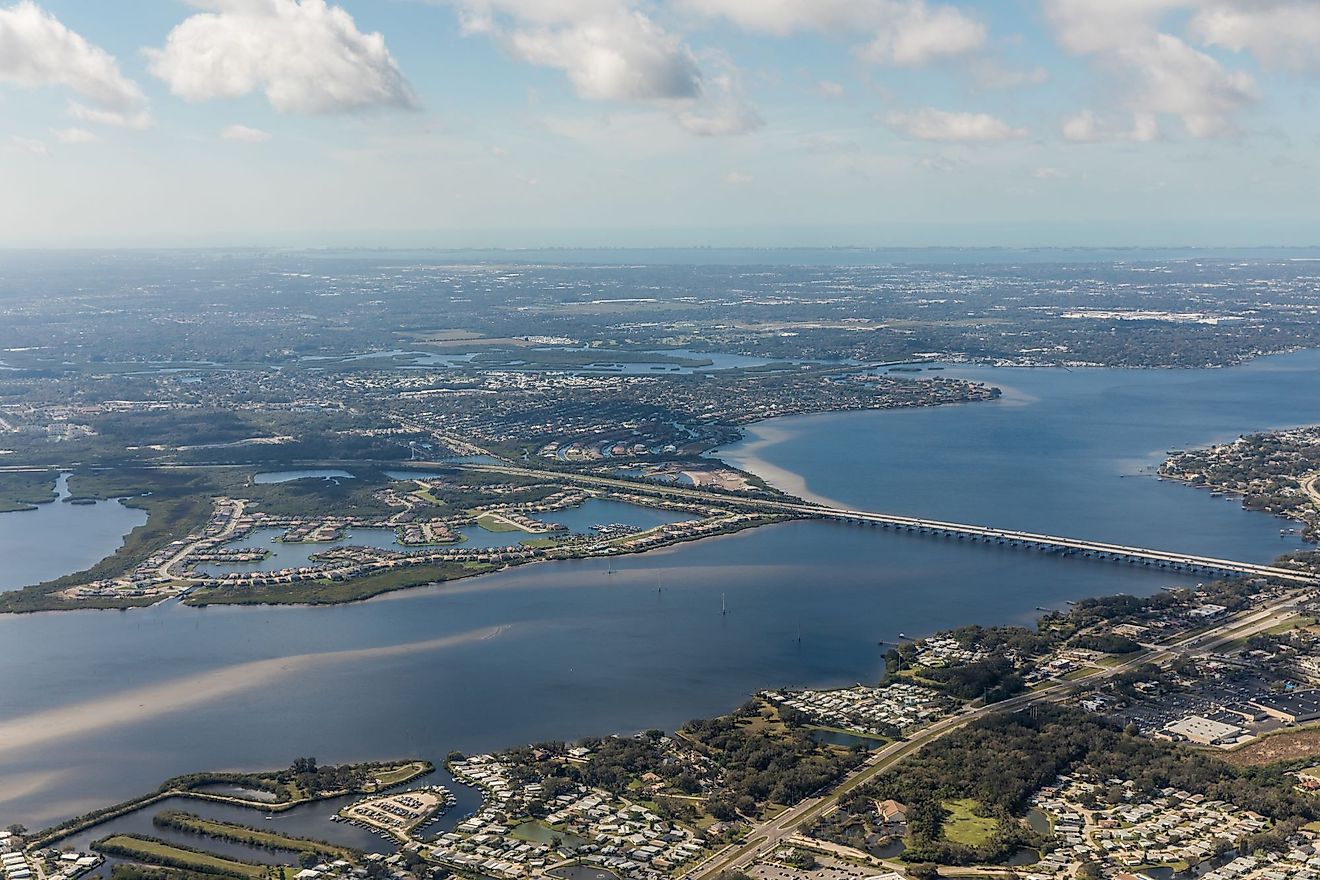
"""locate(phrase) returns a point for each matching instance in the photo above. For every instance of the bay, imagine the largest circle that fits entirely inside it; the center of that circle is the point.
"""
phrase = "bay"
(100, 706)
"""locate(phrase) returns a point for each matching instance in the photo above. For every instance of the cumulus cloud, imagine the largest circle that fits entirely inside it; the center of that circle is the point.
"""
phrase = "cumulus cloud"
(1089, 26)
(738, 178)
(930, 124)
(245, 134)
(722, 109)
(36, 50)
(918, 34)
(907, 33)
(1154, 73)
(305, 56)
(1181, 81)
(1279, 33)
(608, 49)
(612, 50)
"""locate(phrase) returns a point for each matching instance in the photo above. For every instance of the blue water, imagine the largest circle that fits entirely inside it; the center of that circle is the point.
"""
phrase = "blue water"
(59, 538)
(579, 521)
(295, 555)
(1063, 452)
(98, 706)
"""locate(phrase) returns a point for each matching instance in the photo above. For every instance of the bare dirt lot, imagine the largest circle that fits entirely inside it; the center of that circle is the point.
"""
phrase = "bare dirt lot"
(1279, 747)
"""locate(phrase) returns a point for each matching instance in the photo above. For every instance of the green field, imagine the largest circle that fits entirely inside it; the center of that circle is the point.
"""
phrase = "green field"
(495, 524)
(169, 855)
(964, 826)
(388, 776)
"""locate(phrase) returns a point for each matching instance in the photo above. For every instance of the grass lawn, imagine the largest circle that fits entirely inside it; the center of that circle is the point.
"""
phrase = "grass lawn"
(159, 853)
(387, 776)
(495, 524)
(964, 826)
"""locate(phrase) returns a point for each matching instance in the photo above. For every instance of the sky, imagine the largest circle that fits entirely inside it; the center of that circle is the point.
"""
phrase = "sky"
(583, 123)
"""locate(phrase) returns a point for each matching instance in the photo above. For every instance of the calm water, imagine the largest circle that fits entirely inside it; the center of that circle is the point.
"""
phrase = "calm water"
(1063, 453)
(98, 706)
(579, 521)
(59, 538)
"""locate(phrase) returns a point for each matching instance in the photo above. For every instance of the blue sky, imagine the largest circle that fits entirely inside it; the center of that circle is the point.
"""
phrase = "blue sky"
(523, 123)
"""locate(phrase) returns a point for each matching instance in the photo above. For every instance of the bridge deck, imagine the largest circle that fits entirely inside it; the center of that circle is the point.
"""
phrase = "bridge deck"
(1141, 555)
(1057, 542)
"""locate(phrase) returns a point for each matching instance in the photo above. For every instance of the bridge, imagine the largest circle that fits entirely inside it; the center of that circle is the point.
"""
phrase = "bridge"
(1063, 546)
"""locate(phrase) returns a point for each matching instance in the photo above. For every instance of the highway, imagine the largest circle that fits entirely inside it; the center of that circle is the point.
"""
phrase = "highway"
(766, 836)
(1079, 547)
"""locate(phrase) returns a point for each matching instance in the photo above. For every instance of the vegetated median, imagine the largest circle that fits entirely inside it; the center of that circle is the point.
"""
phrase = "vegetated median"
(234, 832)
(155, 851)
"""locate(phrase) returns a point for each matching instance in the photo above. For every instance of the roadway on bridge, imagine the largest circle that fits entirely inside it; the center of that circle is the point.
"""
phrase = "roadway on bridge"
(1008, 537)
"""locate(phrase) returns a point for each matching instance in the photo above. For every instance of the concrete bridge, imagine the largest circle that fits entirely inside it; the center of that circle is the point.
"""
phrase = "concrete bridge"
(1063, 546)
(1166, 559)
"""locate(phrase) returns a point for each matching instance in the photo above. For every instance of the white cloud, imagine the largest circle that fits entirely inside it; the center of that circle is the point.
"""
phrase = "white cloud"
(245, 134)
(738, 178)
(1089, 26)
(36, 50)
(1086, 127)
(1178, 80)
(906, 33)
(306, 56)
(1279, 33)
(609, 50)
(1047, 172)
(930, 124)
(139, 119)
(76, 136)
(1153, 73)
(721, 110)
(918, 35)
(827, 89)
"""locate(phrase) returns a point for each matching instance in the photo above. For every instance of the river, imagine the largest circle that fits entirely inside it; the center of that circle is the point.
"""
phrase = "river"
(100, 706)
